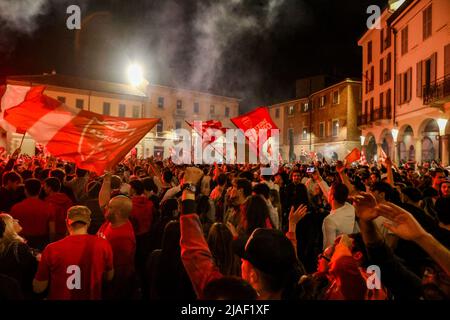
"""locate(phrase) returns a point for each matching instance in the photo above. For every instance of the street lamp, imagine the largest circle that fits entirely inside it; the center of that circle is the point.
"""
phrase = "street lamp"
(362, 140)
(135, 74)
(394, 133)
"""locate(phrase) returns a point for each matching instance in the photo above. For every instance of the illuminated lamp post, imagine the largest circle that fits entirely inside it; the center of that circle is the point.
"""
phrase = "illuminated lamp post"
(394, 133)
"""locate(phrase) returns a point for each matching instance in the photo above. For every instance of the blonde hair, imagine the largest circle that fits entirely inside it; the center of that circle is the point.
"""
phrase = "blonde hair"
(10, 236)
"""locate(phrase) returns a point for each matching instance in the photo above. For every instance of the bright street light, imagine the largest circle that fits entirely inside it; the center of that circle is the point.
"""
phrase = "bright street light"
(442, 123)
(362, 140)
(135, 74)
(394, 132)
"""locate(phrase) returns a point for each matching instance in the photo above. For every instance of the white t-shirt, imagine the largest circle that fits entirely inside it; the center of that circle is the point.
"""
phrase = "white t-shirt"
(339, 221)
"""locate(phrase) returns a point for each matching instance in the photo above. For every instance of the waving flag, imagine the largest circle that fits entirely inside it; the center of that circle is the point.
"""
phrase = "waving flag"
(11, 96)
(353, 156)
(257, 119)
(93, 141)
(206, 135)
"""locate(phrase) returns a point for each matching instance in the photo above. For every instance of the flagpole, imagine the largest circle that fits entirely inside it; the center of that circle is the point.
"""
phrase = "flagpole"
(21, 142)
(201, 135)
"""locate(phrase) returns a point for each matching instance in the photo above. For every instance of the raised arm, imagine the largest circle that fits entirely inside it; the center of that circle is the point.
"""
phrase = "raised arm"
(105, 191)
(340, 168)
(406, 227)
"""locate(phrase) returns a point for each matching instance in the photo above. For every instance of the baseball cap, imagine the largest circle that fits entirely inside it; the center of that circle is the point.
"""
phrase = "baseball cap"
(78, 214)
(268, 250)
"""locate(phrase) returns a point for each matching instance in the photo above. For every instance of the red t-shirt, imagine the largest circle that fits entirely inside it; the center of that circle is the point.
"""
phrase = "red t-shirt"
(142, 214)
(86, 256)
(123, 244)
(34, 216)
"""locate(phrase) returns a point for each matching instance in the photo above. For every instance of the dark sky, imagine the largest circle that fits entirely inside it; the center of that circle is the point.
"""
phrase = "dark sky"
(253, 50)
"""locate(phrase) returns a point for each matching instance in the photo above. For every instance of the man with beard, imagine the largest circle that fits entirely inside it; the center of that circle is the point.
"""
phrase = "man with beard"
(237, 197)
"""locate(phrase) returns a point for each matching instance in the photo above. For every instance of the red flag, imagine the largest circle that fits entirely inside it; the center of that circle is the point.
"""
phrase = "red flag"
(257, 119)
(93, 141)
(363, 160)
(353, 156)
(11, 96)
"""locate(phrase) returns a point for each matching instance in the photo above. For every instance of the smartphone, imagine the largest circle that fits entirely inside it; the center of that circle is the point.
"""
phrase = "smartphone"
(310, 170)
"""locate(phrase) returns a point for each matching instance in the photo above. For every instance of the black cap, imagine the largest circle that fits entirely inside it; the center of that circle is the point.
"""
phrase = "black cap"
(268, 250)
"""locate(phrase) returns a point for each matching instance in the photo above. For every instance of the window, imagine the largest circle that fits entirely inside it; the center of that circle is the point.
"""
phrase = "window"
(106, 108)
(388, 98)
(335, 128)
(305, 107)
(305, 134)
(381, 40)
(387, 43)
(160, 102)
(404, 86)
(404, 39)
(387, 73)
(179, 104)
(366, 78)
(371, 109)
(321, 129)
(381, 71)
(369, 52)
(159, 126)
(277, 113)
(336, 97)
(323, 101)
(196, 107)
(121, 110)
(227, 111)
(136, 112)
(212, 109)
(291, 110)
(61, 99)
(427, 22)
(79, 103)
(178, 125)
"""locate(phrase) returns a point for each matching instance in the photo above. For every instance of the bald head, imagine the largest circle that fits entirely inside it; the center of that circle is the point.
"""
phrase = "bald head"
(119, 209)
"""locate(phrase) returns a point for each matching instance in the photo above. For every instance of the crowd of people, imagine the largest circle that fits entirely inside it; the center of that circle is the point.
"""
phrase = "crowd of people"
(154, 230)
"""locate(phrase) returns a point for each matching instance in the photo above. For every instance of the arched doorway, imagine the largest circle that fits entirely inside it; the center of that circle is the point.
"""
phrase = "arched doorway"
(371, 149)
(430, 142)
(428, 152)
(406, 145)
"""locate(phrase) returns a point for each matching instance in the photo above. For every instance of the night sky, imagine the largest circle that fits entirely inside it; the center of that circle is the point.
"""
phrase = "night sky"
(253, 50)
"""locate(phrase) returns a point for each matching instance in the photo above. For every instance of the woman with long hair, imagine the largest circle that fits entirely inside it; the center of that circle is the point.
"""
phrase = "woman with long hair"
(220, 241)
(17, 259)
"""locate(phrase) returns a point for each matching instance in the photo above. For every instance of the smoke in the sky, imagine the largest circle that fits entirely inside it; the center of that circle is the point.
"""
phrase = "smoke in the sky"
(217, 25)
(20, 15)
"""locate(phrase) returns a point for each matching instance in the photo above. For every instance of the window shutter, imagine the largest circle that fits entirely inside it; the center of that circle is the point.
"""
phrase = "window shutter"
(447, 60)
(419, 79)
(409, 86)
(399, 89)
(381, 71)
(433, 70)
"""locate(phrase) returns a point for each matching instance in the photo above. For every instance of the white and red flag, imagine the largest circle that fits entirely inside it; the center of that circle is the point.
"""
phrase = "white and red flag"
(208, 131)
(11, 96)
(383, 155)
(258, 119)
(93, 141)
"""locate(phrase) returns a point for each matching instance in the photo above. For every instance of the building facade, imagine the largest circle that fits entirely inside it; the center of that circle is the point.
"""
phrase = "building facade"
(418, 130)
(173, 106)
(324, 122)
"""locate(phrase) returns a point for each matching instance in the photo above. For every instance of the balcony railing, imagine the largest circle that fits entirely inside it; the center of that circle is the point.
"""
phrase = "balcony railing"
(382, 113)
(437, 92)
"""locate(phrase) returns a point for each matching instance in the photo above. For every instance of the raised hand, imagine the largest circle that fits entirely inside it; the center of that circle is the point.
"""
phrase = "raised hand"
(403, 223)
(365, 204)
(296, 215)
